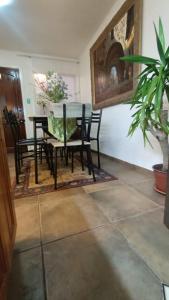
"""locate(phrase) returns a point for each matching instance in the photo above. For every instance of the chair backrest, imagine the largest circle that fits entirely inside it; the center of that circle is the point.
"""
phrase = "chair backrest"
(96, 119)
(83, 122)
(62, 121)
(11, 119)
(6, 116)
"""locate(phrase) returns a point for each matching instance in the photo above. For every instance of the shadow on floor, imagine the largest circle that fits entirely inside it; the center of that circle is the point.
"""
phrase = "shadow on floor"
(94, 265)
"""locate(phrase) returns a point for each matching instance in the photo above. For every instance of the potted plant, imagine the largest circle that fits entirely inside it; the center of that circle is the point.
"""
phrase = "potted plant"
(148, 101)
(53, 92)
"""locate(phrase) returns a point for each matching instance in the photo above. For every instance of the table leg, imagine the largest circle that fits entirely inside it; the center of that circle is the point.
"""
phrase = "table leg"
(35, 153)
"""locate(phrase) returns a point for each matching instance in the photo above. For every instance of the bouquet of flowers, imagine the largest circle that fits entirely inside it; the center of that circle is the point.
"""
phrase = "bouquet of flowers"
(53, 88)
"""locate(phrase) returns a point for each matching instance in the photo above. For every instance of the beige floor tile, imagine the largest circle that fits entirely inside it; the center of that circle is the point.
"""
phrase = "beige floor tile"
(26, 279)
(121, 202)
(100, 186)
(147, 188)
(57, 195)
(98, 265)
(69, 215)
(129, 174)
(150, 238)
(28, 223)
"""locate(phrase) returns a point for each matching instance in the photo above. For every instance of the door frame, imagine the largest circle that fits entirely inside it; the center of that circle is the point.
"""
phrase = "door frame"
(8, 220)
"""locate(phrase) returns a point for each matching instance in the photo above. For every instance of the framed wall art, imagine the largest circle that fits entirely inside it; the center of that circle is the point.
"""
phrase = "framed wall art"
(113, 81)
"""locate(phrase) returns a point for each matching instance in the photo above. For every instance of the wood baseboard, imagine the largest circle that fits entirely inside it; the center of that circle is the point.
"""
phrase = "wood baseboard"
(125, 163)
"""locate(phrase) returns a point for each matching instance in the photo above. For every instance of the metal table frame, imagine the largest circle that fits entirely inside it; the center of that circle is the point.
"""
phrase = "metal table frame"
(39, 122)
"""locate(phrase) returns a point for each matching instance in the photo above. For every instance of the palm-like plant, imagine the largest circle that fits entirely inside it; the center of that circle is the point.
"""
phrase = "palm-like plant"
(148, 100)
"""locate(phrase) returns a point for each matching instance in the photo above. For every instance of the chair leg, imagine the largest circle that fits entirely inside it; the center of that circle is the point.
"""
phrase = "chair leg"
(66, 155)
(89, 155)
(61, 153)
(21, 155)
(51, 159)
(98, 153)
(47, 154)
(55, 169)
(82, 159)
(88, 160)
(72, 161)
(41, 154)
(18, 152)
(16, 165)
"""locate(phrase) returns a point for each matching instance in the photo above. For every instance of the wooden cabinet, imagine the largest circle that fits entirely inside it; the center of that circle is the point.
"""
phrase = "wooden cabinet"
(7, 217)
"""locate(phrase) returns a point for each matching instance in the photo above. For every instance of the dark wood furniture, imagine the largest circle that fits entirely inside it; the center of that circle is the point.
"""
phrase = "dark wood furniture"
(11, 96)
(7, 218)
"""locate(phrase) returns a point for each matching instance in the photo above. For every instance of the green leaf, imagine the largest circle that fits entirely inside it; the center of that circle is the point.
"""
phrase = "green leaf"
(161, 34)
(167, 92)
(158, 98)
(153, 85)
(140, 59)
(148, 70)
(167, 53)
(160, 47)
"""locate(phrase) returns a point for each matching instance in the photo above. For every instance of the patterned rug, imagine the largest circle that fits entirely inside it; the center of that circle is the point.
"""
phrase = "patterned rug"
(66, 179)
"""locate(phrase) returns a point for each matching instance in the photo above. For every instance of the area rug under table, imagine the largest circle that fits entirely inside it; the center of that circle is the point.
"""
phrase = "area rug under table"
(66, 179)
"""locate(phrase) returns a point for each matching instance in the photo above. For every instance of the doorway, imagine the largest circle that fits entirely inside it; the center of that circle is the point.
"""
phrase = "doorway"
(11, 97)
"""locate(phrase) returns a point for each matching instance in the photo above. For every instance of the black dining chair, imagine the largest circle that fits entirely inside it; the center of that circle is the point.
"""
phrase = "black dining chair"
(83, 142)
(21, 151)
(96, 122)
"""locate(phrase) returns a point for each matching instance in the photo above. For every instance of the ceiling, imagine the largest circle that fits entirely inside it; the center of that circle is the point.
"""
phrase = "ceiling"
(51, 27)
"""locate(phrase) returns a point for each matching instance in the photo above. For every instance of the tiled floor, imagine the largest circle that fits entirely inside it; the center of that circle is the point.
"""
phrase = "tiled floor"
(101, 242)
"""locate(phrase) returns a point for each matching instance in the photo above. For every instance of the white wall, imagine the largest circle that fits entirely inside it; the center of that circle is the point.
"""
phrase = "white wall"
(36, 64)
(116, 119)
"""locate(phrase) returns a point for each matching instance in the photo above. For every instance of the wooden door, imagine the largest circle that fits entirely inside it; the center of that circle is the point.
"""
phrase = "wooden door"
(10, 96)
(7, 217)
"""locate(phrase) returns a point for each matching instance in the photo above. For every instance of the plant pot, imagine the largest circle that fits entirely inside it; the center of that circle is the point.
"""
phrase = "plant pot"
(160, 179)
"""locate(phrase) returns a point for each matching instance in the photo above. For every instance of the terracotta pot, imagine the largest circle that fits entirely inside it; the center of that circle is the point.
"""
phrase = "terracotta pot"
(160, 179)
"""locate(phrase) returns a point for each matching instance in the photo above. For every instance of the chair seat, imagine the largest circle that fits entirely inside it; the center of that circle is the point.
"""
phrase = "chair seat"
(57, 144)
(29, 142)
(93, 139)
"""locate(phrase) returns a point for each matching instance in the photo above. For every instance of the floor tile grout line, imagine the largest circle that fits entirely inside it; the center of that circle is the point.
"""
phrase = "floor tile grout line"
(17, 252)
(75, 234)
(130, 186)
(147, 196)
(110, 222)
(144, 195)
(135, 216)
(42, 254)
(138, 254)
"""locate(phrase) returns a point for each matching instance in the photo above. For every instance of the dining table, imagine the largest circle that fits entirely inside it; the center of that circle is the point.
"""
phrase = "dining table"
(41, 122)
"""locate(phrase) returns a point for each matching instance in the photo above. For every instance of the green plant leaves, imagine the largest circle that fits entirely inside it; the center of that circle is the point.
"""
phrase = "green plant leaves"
(161, 34)
(167, 53)
(161, 50)
(153, 82)
(139, 59)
